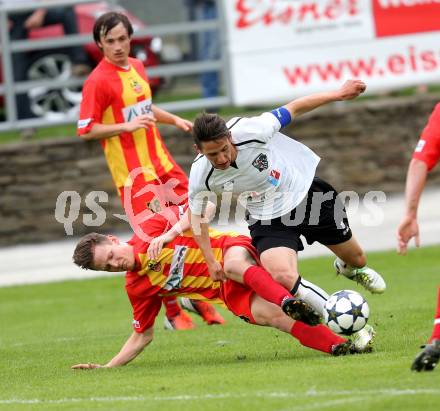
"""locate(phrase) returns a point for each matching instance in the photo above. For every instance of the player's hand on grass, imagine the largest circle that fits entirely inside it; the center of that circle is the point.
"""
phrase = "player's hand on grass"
(87, 366)
(351, 89)
(183, 124)
(216, 271)
(142, 121)
(408, 228)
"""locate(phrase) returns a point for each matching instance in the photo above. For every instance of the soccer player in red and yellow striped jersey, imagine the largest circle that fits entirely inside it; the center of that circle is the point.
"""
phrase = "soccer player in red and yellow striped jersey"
(179, 269)
(117, 110)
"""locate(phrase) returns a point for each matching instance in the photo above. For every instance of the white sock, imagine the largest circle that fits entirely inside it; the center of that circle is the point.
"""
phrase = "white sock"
(312, 295)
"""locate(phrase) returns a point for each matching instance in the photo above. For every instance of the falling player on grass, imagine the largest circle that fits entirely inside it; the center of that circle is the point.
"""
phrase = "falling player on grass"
(172, 264)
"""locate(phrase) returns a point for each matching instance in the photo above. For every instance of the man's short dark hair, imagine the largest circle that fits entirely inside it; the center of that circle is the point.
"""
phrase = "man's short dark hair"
(84, 250)
(107, 22)
(208, 127)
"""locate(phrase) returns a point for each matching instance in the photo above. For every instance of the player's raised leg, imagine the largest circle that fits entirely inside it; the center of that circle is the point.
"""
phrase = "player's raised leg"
(281, 263)
(241, 267)
(351, 262)
(318, 338)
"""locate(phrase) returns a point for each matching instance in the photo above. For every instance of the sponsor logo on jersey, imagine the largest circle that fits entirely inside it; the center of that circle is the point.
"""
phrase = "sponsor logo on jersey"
(261, 163)
(274, 177)
(420, 145)
(136, 324)
(177, 266)
(135, 110)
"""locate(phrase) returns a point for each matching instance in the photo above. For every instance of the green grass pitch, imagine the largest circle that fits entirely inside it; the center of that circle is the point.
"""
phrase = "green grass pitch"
(46, 328)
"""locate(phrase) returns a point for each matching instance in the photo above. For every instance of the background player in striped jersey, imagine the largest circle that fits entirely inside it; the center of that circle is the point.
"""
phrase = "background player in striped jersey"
(117, 110)
(179, 268)
(273, 176)
(425, 157)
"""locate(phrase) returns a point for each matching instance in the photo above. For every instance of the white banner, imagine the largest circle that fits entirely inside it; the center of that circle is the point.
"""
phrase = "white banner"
(282, 49)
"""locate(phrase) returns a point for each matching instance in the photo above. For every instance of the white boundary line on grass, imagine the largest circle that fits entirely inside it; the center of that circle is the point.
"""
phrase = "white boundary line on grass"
(388, 392)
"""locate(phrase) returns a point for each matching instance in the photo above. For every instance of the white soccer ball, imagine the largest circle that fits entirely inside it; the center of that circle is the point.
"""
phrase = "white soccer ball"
(346, 312)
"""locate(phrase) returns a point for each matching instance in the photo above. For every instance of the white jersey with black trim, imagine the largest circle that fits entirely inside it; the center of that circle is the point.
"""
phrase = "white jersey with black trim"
(271, 174)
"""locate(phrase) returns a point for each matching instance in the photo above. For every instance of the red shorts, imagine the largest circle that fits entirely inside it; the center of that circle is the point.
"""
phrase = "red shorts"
(236, 296)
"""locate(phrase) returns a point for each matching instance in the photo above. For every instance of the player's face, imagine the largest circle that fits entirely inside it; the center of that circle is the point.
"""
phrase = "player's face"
(220, 152)
(113, 256)
(116, 45)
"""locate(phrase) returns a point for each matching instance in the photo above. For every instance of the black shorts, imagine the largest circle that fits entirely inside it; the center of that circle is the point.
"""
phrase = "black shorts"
(320, 217)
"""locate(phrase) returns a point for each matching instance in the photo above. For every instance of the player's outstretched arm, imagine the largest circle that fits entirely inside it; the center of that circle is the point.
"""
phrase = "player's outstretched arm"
(130, 350)
(200, 230)
(415, 183)
(348, 91)
(165, 117)
(157, 243)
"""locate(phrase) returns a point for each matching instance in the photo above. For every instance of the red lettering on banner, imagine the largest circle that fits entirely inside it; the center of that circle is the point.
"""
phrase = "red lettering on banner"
(265, 12)
(411, 60)
(428, 60)
(397, 17)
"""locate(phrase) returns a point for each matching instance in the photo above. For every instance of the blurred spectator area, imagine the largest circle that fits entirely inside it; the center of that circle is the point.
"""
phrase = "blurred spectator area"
(176, 47)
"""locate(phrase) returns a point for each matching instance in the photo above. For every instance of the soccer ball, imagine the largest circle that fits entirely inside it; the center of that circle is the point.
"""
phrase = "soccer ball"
(346, 312)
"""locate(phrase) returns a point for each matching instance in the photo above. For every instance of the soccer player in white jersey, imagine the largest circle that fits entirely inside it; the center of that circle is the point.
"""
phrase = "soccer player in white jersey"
(274, 176)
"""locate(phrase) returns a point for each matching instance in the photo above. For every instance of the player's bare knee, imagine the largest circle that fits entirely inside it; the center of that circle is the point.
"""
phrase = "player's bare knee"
(231, 265)
(234, 268)
(236, 261)
(287, 279)
(284, 276)
(281, 271)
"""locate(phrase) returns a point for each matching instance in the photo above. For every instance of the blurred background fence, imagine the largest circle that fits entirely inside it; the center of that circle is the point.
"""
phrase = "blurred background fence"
(54, 93)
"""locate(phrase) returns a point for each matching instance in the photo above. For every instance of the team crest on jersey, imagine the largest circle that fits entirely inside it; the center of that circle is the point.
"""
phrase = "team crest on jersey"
(134, 84)
(154, 266)
(260, 162)
(136, 324)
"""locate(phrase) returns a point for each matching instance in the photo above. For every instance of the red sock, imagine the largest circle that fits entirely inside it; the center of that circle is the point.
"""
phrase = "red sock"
(319, 338)
(171, 306)
(436, 331)
(264, 285)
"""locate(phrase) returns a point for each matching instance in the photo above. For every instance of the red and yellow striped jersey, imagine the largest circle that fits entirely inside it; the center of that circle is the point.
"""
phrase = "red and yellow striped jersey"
(180, 269)
(112, 95)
